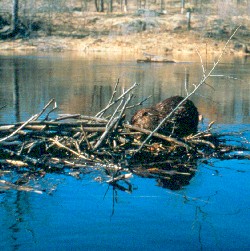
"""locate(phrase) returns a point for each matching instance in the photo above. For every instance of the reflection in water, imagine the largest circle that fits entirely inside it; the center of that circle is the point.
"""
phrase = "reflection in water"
(16, 97)
(172, 174)
(82, 85)
(17, 207)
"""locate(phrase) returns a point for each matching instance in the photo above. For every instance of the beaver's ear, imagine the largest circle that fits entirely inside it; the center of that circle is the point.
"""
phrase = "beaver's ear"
(145, 113)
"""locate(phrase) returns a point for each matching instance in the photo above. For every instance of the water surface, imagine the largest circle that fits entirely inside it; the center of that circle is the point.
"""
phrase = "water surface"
(211, 213)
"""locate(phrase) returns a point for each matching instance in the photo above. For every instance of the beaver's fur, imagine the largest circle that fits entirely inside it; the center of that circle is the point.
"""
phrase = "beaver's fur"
(182, 123)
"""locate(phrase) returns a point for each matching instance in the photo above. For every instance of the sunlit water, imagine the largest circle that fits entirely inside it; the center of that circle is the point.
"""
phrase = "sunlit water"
(211, 213)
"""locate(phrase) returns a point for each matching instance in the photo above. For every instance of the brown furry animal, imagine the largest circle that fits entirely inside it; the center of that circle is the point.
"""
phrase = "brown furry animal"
(182, 123)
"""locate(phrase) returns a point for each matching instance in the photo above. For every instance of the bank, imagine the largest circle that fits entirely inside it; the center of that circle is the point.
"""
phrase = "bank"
(162, 35)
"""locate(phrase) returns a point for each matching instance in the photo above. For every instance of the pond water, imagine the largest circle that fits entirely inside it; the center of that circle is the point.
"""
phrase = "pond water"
(211, 213)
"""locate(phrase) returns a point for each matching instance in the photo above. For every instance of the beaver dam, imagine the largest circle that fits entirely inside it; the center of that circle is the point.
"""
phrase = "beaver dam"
(106, 144)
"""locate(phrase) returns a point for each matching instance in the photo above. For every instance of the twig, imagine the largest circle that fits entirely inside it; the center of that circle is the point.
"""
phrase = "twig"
(120, 177)
(53, 109)
(202, 65)
(19, 128)
(34, 117)
(99, 114)
(139, 103)
(204, 142)
(157, 135)
(114, 91)
(113, 115)
(123, 109)
(69, 150)
(105, 134)
(84, 137)
(44, 109)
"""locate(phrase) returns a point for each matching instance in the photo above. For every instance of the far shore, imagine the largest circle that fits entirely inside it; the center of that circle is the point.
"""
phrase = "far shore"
(167, 36)
(171, 47)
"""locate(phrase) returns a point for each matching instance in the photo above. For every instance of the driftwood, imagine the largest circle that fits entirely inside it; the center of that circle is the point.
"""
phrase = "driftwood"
(150, 58)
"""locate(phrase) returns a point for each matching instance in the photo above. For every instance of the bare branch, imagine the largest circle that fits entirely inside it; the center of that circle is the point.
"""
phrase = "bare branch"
(99, 114)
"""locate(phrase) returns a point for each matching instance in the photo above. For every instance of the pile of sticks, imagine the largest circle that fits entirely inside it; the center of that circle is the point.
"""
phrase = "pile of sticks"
(107, 142)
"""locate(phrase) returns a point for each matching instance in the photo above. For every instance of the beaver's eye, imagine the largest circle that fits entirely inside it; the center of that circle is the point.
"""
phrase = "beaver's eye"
(145, 114)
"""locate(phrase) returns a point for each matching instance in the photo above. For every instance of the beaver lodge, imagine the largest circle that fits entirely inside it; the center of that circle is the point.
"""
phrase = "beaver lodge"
(74, 144)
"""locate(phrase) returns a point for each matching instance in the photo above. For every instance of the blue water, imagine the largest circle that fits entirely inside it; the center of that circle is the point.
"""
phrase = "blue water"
(211, 213)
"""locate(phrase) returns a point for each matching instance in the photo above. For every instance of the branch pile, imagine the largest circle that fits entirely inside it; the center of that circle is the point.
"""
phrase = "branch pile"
(73, 143)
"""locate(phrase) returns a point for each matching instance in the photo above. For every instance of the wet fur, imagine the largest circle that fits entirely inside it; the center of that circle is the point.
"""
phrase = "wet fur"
(182, 123)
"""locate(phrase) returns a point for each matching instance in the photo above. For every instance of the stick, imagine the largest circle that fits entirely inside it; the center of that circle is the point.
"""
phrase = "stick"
(99, 114)
(114, 91)
(105, 134)
(44, 109)
(34, 117)
(18, 129)
(157, 135)
(68, 149)
(140, 103)
(123, 109)
(120, 177)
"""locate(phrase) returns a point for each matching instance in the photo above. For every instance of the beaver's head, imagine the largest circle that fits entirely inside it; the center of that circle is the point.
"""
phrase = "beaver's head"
(147, 118)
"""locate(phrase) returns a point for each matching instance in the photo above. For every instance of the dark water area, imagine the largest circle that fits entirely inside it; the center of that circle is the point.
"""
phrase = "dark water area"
(211, 213)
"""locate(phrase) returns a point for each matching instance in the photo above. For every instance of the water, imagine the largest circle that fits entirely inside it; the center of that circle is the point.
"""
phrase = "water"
(211, 213)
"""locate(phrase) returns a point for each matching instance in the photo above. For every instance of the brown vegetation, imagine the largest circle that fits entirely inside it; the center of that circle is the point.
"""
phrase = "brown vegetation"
(145, 30)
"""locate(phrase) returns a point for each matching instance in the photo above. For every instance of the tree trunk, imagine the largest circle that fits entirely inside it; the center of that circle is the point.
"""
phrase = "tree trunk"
(125, 5)
(162, 5)
(110, 5)
(101, 6)
(96, 5)
(14, 21)
(182, 6)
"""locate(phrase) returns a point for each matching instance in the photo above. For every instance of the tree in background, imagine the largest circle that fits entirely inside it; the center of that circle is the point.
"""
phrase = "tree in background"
(14, 18)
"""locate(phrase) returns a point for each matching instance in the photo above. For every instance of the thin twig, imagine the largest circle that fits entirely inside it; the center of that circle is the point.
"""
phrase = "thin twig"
(19, 128)
(115, 101)
(44, 109)
(114, 91)
(139, 103)
(56, 142)
(123, 109)
(53, 109)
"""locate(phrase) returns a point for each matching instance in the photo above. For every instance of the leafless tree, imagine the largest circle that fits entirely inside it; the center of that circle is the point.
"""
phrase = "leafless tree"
(15, 19)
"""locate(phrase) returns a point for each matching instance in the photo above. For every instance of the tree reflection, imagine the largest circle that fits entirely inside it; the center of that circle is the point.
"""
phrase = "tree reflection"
(16, 91)
(17, 206)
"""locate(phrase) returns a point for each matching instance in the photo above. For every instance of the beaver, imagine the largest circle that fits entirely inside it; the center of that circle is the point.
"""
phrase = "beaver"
(182, 123)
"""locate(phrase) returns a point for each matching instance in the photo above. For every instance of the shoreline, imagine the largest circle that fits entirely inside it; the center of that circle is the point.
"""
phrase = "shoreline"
(164, 44)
